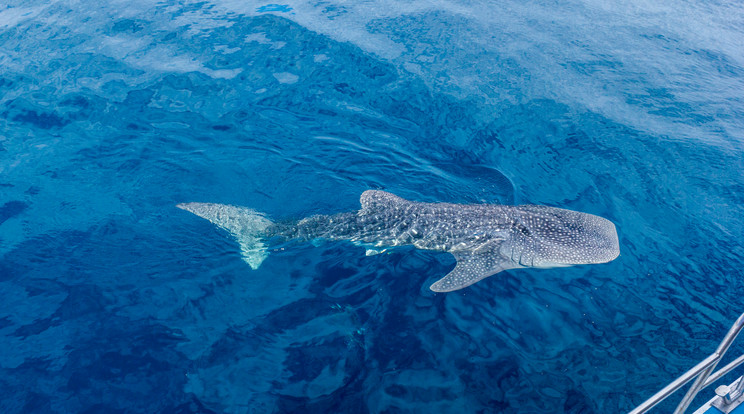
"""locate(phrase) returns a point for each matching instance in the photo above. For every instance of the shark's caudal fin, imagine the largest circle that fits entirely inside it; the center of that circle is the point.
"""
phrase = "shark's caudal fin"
(246, 225)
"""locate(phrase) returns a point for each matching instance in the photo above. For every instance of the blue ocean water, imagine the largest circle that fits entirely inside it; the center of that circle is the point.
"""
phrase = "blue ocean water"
(112, 300)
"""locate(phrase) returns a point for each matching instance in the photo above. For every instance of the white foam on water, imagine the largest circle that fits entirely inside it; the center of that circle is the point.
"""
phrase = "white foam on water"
(286, 78)
(658, 67)
(670, 69)
(13, 16)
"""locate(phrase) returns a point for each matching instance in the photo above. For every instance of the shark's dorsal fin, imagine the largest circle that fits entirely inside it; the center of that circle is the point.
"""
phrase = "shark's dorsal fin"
(471, 267)
(372, 200)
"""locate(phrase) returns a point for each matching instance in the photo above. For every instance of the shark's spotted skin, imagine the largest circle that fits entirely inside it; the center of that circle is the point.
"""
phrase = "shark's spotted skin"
(485, 239)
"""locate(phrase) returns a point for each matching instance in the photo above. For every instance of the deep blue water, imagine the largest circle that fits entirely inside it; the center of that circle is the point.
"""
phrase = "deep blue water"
(114, 301)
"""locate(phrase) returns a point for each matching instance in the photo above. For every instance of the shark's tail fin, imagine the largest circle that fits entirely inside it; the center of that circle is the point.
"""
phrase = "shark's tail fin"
(246, 225)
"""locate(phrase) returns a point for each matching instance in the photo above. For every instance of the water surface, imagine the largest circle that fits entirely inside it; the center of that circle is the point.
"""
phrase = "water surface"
(113, 300)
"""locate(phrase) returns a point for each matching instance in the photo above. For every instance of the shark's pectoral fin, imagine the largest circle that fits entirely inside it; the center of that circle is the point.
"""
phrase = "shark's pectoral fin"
(470, 268)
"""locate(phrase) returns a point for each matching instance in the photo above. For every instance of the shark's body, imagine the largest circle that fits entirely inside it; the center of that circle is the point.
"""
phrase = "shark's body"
(484, 238)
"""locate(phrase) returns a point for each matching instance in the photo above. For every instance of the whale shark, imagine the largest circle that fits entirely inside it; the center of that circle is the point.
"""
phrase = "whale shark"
(485, 239)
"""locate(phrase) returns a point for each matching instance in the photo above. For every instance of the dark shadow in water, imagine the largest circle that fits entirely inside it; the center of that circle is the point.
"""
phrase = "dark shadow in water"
(11, 209)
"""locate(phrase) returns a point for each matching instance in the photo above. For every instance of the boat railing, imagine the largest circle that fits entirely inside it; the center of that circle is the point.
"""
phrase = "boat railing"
(703, 375)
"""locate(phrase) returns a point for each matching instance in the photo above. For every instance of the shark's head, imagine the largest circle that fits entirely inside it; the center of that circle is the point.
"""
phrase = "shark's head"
(552, 237)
